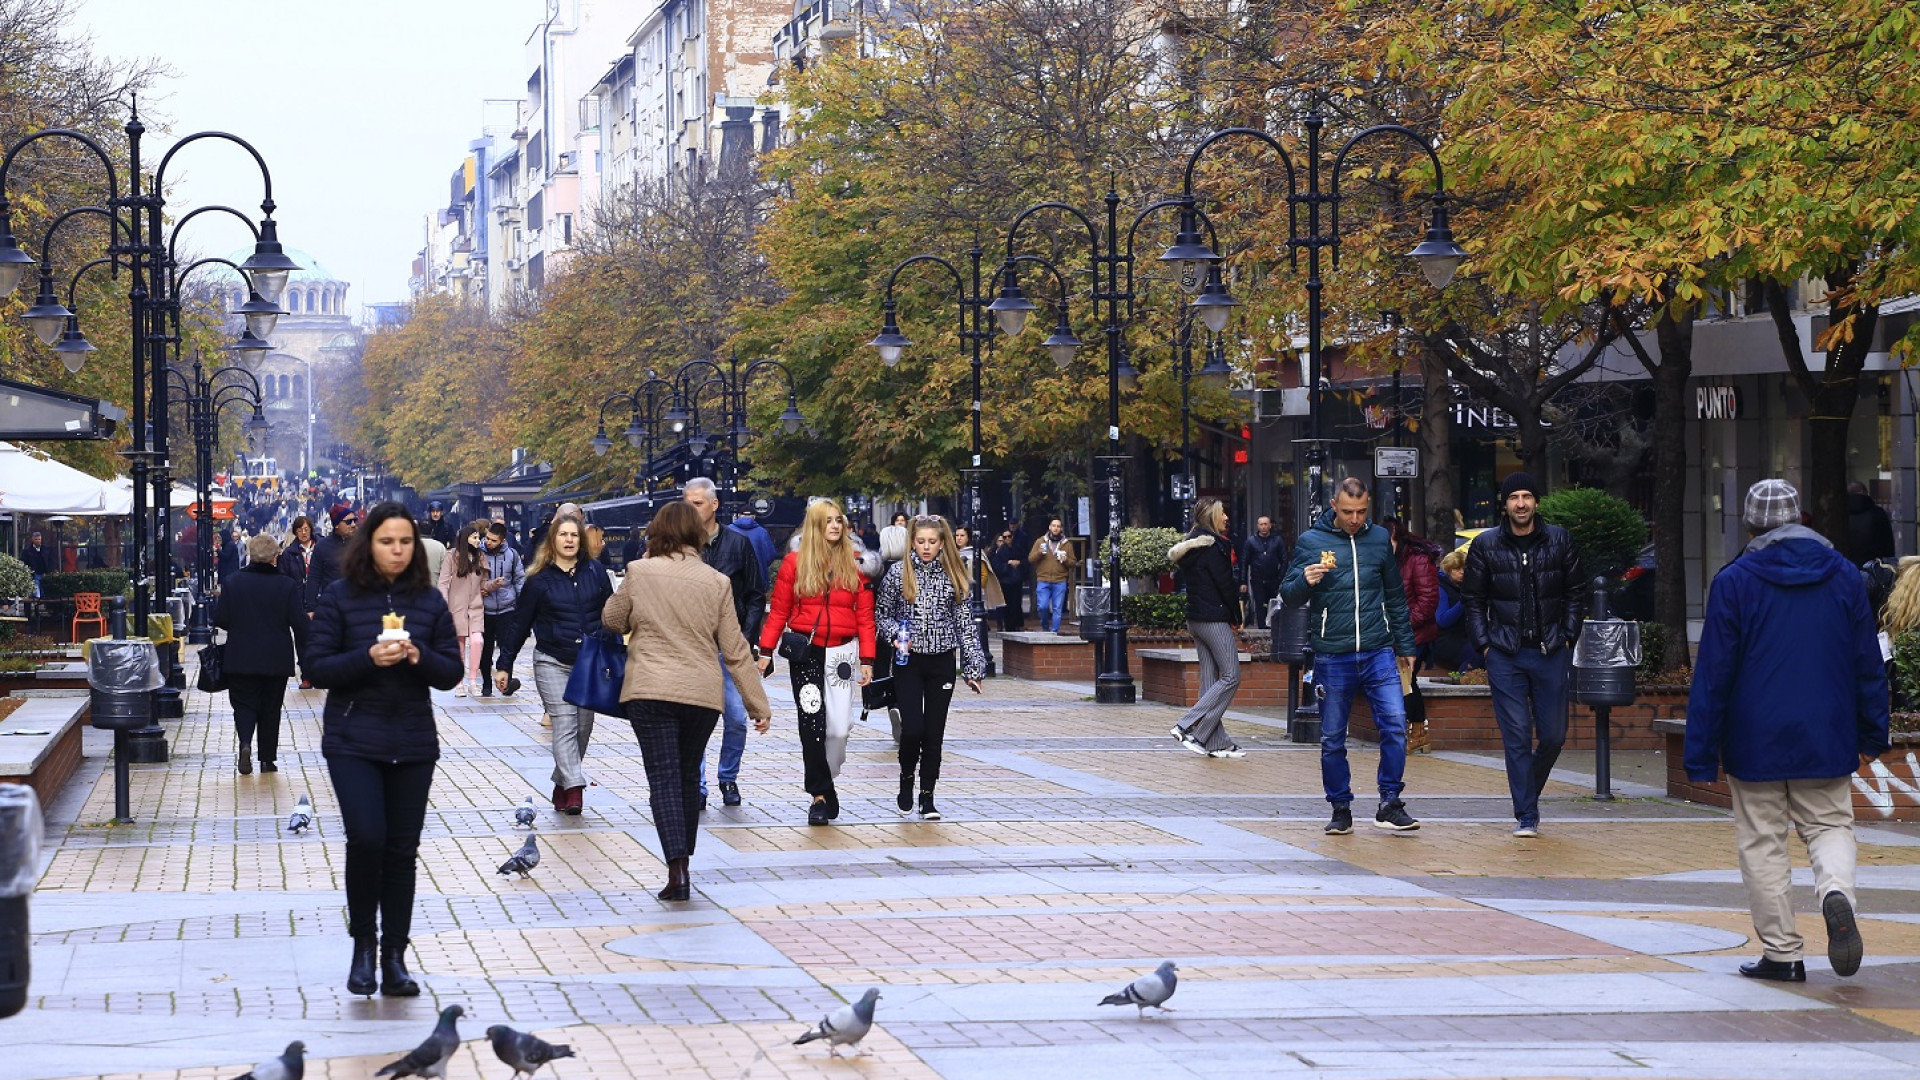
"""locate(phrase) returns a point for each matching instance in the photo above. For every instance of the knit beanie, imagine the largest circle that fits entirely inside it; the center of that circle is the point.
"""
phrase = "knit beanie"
(1770, 504)
(338, 512)
(1519, 481)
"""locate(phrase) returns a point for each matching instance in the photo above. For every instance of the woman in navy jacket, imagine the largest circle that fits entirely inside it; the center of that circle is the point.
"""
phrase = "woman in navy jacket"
(266, 627)
(379, 737)
(1205, 560)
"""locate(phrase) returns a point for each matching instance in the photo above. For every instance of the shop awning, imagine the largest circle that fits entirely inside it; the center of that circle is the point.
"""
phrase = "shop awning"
(33, 483)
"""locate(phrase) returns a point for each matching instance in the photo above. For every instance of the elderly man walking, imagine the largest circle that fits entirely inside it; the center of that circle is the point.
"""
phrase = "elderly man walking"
(1789, 697)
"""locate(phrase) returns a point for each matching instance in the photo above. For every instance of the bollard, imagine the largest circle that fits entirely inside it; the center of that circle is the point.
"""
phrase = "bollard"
(1603, 663)
(20, 832)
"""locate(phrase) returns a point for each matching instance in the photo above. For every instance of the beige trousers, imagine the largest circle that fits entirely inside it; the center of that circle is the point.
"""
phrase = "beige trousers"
(1822, 812)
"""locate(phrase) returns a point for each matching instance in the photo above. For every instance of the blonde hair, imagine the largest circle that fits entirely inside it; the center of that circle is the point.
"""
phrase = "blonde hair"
(825, 565)
(549, 549)
(1453, 560)
(949, 556)
(1902, 611)
(1211, 513)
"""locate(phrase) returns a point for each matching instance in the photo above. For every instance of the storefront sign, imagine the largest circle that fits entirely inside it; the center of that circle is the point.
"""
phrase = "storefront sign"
(1716, 403)
(1473, 414)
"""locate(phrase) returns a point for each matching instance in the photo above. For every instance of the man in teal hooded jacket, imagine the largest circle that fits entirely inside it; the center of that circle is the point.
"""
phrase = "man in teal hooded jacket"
(1345, 566)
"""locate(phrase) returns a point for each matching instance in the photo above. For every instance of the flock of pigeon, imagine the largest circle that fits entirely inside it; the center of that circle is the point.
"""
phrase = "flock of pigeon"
(844, 1026)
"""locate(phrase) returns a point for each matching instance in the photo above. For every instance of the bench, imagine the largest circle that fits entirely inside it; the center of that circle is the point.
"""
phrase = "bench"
(43, 762)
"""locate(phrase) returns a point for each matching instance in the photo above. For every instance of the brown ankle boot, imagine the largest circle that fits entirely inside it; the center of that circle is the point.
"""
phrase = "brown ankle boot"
(679, 887)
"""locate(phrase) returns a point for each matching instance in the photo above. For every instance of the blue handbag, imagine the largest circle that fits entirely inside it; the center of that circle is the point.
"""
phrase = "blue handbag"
(597, 675)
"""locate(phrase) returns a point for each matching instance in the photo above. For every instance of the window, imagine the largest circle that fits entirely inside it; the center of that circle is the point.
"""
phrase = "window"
(299, 385)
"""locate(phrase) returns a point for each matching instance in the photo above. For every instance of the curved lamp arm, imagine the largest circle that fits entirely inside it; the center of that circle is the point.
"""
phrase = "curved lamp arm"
(1437, 255)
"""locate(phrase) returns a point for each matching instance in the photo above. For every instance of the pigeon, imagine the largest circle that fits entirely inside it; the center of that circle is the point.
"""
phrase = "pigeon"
(1149, 991)
(430, 1058)
(844, 1026)
(302, 817)
(526, 1053)
(524, 815)
(524, 860)
(291, 1065)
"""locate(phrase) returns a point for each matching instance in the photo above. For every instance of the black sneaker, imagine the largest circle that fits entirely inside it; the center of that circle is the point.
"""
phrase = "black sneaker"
(928, 812)
(905, 802)
(1342, 822)
(513, 686)
(729, 793)
(817, 813)
(1843, 933)
(1393, 815)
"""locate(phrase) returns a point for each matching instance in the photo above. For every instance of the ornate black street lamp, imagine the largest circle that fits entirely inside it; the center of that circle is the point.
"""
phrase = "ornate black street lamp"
(733, 381)
(205, 395)
(643, 424)
(1439, 257)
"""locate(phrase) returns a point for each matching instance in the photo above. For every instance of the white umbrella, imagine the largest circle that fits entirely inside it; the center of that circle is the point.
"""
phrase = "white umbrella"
(32, 483)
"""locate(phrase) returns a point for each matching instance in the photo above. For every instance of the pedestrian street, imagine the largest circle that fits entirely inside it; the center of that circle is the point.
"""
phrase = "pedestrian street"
(1081, 848)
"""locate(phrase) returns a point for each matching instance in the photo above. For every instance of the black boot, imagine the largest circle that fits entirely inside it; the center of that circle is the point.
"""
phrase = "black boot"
(394, 980)
(360, 978)
(679, 885)
(905, 802)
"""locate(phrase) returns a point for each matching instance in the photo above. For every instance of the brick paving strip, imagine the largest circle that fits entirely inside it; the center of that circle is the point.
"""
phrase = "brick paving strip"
(1081, 848)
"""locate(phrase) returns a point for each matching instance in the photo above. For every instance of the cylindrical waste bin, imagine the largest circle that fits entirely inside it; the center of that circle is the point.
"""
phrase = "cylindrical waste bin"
(122, 674)
(1604, 660)
(1292, 643)
(20, 831)
(1092, 605)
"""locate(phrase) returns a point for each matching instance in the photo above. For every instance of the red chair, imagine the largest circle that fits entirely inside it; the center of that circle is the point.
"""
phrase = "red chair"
(86, 609)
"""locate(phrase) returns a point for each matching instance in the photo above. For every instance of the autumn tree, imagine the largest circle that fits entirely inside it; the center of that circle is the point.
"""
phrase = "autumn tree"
(433, 389)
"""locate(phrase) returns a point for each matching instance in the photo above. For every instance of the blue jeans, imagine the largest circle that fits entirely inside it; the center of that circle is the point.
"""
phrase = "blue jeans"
(733, 733)
(1375, 675)
(1529, 702)
(1050, 598)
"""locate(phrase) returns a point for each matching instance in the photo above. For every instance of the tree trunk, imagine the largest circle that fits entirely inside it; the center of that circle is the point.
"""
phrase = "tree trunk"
(1826, 496)
(1674, 334)
(1531, 434)
(1436, 447)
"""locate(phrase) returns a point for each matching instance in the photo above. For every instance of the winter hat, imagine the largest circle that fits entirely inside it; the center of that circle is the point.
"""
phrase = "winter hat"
(339, 512)
(1771, 504)
(1519, 481)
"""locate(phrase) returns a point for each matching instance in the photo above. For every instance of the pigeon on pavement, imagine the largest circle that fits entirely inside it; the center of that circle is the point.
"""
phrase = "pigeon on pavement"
(524, 860)
(291, 1065)
(844, 1026)
(302, 817)
(1149, 991)
(524, 815)
(526, 1053)
(430, 1058)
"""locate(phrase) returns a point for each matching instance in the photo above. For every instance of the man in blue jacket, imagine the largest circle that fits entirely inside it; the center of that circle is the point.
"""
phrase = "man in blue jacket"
(1344, 564)
(1789, 697)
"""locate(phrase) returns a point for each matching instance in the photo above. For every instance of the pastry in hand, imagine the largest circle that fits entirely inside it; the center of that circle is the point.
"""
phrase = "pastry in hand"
(1326, 560)
(390, 621)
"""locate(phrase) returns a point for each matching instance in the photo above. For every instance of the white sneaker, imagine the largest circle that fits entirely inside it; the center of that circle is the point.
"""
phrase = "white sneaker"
(460, 691)
(1229, 752)
(1194, 746)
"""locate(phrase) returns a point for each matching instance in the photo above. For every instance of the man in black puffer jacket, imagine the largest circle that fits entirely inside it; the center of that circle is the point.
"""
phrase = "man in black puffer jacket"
(1526, 596)
(732, 554)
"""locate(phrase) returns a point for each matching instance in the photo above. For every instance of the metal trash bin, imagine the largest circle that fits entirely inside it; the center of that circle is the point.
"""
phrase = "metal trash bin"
(122, 674)
(20, 832)
(1292, 632)
(1604, 660)
(1091, 606)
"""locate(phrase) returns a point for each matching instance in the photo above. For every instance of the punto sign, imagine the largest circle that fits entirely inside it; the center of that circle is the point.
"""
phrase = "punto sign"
(1716, 403)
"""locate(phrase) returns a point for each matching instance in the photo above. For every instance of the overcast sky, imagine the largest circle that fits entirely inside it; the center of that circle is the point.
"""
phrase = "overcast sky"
(362, 109)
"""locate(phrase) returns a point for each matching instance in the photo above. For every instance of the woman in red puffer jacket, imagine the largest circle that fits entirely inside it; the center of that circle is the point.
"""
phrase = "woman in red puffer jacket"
(820, 594)
(1418, 559)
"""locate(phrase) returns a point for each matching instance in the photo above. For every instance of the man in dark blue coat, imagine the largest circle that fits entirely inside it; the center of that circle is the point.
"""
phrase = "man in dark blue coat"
(1789, 697)
(1263, 560)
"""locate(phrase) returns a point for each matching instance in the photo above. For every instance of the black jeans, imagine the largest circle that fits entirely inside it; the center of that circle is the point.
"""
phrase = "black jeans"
(925, 689)
(383, 807)
(1259, 594)
(256, 701)
(673, 738)
(490, 626)
(1011, 617)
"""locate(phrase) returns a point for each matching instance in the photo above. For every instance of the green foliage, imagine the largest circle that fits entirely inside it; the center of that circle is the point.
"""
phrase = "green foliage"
(64, 584)
(1143, 551)
(1653, 651)
(1906, 668)
(1609, 531)
(16, 580)
(1155, 611)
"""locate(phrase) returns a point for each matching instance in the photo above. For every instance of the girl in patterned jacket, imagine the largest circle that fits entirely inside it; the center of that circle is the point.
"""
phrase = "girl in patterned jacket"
(922, 611)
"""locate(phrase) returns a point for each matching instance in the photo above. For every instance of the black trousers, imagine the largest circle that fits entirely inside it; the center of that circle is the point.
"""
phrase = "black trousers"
(1011, 617)
(925, 688)
(383, 806)
(490, 626)
(1259, 595)
(673, 738)
(256, 701)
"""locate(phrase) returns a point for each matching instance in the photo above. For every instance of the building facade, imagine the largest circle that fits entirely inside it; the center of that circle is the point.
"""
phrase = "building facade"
(316, 340)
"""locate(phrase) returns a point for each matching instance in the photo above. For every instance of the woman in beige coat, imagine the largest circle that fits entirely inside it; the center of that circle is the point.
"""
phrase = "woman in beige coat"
(463, 576)
(679, 613)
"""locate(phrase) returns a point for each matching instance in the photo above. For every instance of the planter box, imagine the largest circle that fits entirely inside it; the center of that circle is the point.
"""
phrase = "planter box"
(44, 762)
(1887, 789)
(1044, 657)
(53, 676)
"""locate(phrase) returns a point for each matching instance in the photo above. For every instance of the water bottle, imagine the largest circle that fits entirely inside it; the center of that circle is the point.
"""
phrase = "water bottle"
(902, 647)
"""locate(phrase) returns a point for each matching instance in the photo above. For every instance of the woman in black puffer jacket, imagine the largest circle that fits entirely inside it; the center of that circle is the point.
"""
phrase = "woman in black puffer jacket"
(1205, 559)
(379, 737)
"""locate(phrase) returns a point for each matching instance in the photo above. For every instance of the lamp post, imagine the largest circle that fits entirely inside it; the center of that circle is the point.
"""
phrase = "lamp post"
(138, 240)
(975, 333)
(1439, 257)
(643, 424)
(733, 380)
(1214, 372)
(205, 396)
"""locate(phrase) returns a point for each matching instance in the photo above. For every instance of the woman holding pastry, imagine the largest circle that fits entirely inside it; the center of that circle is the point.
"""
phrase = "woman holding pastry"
(381, 640)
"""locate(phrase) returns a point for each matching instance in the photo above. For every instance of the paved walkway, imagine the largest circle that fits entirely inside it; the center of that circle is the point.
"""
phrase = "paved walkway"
(1081, 847)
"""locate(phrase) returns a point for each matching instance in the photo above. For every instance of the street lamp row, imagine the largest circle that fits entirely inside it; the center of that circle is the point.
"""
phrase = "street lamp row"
(681, 395)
